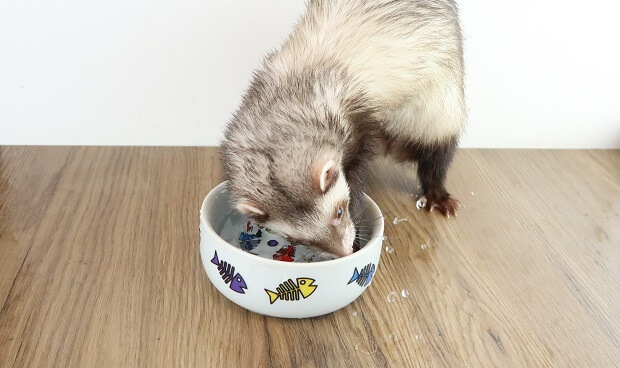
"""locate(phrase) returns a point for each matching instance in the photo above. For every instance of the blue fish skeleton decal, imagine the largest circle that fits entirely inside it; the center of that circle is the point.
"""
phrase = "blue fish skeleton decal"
(237, 283)
(364, 276)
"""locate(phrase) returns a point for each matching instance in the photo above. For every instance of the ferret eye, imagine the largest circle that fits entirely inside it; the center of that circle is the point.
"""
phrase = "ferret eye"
(339, 212)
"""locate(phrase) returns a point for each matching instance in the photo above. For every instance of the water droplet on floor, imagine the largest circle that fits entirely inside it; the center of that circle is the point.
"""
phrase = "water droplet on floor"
(404, 293)
(391, 296)
(389, 249)
(418, 336)
(423, 246)
(366, 347)
(421, 203)
(392, 337)
(354, 314)
(472, 193)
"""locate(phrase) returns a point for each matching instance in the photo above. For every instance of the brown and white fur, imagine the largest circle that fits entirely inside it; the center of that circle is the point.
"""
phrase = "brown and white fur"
(355, 78)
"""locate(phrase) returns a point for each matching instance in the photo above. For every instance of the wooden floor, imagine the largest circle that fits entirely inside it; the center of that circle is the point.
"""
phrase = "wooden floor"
(100, 267)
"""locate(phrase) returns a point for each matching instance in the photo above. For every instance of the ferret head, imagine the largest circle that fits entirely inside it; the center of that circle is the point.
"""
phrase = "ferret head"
(303, 196)
(283, 157)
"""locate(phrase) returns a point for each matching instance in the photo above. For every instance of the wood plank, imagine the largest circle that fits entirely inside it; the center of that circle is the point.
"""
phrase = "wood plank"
(528, 274)
(28, 180)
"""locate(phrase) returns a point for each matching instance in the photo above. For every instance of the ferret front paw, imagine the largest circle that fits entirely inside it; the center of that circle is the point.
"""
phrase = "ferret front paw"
(446, 204)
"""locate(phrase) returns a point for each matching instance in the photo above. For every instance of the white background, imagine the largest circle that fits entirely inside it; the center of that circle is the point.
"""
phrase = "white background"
(154, 72)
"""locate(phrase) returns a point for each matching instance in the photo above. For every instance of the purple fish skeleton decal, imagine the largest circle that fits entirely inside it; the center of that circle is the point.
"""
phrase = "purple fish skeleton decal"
(237, 283)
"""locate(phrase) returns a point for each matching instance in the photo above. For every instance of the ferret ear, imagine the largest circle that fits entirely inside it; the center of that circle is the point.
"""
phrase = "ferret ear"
(325, 174)
(253, 212)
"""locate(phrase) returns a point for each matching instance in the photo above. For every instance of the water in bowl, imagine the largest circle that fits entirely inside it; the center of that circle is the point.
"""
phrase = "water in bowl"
(252, 237)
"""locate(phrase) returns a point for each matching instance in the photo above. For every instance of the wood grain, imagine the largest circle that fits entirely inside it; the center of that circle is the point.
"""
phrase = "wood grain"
(100, 267)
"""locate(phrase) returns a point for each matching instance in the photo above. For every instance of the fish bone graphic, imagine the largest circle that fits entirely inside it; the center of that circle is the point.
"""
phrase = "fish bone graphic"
(288, 290)
(364, 276)
(227, 271)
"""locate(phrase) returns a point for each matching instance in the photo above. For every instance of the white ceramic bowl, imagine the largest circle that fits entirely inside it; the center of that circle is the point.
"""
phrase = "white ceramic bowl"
(283, 289)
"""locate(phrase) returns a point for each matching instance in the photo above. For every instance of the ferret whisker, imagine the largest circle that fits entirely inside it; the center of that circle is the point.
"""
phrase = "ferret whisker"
(363, 236)
(360, 212)
(376, 218)
(373, 219)
(390, 237)
(366, 221)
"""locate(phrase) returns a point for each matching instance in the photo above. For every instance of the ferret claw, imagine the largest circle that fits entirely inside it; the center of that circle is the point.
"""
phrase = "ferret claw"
(446, 205)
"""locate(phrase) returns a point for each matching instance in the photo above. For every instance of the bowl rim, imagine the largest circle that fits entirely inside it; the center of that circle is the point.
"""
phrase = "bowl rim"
(213, 235)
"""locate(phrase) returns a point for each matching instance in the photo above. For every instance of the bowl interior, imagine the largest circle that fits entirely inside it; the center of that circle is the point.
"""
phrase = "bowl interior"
(217, 215)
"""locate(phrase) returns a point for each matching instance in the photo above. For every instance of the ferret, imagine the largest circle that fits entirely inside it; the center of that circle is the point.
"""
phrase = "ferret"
(355, 79)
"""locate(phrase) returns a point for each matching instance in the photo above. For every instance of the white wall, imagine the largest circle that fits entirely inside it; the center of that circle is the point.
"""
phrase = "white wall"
(119, 72)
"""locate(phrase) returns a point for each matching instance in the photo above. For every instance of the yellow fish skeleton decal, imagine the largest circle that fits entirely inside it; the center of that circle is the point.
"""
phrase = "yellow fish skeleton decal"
(288, 290)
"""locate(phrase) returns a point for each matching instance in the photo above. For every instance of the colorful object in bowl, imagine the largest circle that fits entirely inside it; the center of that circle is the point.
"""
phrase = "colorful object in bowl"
(258, 240)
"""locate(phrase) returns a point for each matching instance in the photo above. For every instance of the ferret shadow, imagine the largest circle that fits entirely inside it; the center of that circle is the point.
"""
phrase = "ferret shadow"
(394, 186)
(387, 174)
